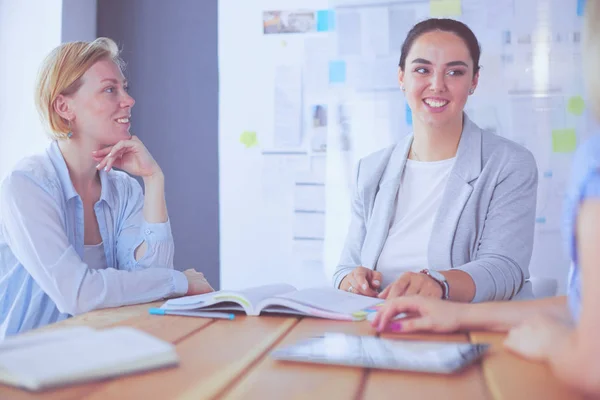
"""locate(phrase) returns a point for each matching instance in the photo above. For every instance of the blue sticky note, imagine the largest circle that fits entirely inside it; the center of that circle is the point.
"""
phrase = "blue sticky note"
(337, 71)
(540, 220)
(325, 20)
(408, 115)
(580, 7)
(548, 174)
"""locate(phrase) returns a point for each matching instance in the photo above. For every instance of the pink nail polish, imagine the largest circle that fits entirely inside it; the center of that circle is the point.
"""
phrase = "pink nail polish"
(395, 327)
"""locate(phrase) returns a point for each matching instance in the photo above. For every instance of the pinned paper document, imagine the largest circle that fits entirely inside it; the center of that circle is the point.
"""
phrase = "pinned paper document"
(337, 71)
(576, 105)
(580, 7)
(325, 20)
(564, 140)
(248, 139)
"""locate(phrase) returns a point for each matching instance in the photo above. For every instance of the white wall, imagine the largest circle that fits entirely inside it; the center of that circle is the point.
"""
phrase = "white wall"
(257, 186)
(79, 20)
(29, 29)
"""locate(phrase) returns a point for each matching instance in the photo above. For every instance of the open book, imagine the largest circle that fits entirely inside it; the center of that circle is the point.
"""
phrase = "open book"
(38, 361)
(327, 303)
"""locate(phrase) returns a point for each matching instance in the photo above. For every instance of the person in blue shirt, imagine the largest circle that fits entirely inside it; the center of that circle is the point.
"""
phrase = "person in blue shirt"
(75, 234)
(561, 331)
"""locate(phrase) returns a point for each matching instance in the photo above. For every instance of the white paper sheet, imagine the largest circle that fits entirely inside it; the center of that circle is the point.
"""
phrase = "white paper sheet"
(309, 224)
(376, 36)
(288, 106)
(349, 33)
(309, 196)
(316, 61)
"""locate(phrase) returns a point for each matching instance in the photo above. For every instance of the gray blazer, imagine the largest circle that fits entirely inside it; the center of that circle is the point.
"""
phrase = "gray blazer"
(485, 223)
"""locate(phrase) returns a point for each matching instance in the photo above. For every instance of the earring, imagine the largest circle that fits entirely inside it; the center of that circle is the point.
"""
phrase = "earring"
(402, 88)
(70, 133)
(471, 91)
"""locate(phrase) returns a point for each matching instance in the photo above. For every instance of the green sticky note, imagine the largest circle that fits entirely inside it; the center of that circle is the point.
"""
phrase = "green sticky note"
(564, 140)
(445, 8)
(248, 139)
(576, 105)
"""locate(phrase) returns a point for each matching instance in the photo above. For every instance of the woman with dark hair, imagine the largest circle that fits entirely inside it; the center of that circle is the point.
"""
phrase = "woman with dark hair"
(561, 331)
(449, 211)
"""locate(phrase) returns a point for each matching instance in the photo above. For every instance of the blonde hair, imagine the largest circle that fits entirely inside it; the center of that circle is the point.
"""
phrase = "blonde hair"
(591, 54)
(61, 73)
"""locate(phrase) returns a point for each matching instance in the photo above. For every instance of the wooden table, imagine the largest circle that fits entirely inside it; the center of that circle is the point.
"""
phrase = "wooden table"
(221, 359)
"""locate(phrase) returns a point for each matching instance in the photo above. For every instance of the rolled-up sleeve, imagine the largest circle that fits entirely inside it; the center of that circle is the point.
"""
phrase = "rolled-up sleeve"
(501, 265)
(133, 230)
(34, 229)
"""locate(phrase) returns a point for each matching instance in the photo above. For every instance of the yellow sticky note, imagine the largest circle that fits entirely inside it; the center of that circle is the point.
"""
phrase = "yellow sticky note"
(576, 105)
(445, 8)
(248, 139)
(564, 140)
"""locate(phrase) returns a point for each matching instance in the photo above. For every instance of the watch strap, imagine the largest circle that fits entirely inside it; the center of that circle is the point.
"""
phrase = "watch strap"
(442, 283)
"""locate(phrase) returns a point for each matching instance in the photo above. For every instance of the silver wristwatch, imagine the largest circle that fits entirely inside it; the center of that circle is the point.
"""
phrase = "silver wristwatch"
(441, 279)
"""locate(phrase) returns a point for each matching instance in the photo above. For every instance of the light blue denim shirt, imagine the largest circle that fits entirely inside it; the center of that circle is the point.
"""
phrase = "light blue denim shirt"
(584, 184)
(42, 276)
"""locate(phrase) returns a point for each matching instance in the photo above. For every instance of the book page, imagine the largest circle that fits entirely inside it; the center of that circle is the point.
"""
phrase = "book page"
(252, 296)
(247, 298)
(332, 300)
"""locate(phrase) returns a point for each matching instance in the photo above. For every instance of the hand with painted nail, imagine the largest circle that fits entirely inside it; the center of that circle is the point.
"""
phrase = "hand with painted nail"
(363, 281)
(128, 155)
(413, 283)
(424, 314)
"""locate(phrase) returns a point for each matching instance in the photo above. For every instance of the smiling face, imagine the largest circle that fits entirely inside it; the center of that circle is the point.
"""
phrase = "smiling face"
(437, 78)
(101, 107)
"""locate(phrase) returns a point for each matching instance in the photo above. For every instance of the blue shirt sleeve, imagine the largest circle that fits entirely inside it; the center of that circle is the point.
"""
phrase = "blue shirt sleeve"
(34, 230)
(133, 230)
(591, 186)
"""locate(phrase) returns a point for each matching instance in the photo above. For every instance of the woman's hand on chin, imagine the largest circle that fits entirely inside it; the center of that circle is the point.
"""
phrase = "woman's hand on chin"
(130, 156)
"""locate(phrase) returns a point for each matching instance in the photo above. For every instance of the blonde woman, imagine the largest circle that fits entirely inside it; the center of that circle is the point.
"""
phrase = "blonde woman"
(561, 331)
(76, 235)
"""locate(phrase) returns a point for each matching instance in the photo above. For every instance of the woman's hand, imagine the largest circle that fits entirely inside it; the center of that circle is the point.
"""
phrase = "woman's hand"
(362, 281)
(129, 155)
(197, 283)
(537, 338)
(412, 283)
(422, 314)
